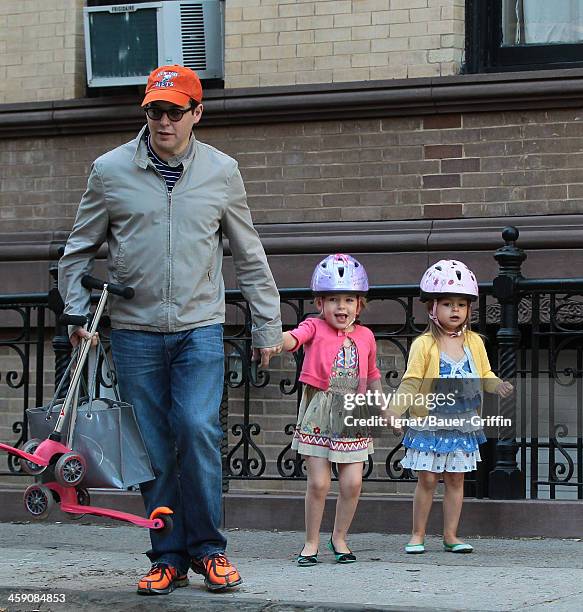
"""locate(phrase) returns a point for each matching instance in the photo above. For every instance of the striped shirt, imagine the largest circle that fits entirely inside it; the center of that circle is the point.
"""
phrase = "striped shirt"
(170, 174)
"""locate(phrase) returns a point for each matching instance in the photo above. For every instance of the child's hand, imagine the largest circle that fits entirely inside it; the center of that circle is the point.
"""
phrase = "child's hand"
(393, 421)
(504, 389)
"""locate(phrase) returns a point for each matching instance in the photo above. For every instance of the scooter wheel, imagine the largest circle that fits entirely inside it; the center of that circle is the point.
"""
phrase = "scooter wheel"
(163, 513)
(33, 469)
(70, 469)
(168, 524)
(83, 499)
(38, 501)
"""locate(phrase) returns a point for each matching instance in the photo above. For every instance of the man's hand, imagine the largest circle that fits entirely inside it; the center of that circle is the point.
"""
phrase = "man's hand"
(504, 389)
(79, 334)
(266, 354)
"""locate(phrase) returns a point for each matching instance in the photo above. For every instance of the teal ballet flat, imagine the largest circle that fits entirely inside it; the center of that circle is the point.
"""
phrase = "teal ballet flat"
(461, 548)
(307, 560)
(348, 557)
(415, 549)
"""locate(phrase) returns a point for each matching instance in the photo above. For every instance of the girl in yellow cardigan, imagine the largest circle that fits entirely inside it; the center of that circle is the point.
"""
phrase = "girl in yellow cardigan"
(443, 439)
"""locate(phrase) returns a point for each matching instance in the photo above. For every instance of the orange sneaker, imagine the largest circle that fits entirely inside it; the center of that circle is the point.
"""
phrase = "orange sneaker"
(217, 571)
(161, 580)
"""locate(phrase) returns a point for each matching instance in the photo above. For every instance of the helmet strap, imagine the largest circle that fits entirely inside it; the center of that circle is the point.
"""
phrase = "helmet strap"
(454, 334)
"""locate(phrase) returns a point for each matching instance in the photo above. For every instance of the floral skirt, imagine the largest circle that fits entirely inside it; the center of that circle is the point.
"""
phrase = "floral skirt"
(321, 430)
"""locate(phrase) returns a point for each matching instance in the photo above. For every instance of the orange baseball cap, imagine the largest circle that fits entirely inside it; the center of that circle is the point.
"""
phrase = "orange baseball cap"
(175, 84)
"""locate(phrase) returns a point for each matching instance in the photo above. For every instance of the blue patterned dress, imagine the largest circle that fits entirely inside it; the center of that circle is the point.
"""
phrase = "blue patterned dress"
(453, 448)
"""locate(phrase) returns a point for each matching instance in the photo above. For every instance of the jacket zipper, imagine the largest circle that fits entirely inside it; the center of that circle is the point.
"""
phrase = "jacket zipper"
(169, 218)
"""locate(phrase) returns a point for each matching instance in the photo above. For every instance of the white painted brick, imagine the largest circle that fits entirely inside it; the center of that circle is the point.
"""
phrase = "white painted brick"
(11, 59)
(332, 35)
(333, 61)
(334, 7)
(283, 78)
(20, 71)
(288, 24)
(249, 54)
(248, 80)
(297, 64)
(356, 19)
(259, 12)
(266, 39)
(259, 67)
(232, 68)
(425, 42)
(315, 23)
(52, 43)
(450, 68)
(389, 44)
(297, 10)
(242, 27)
(353, 74)
(38, 57)
(444, 55)
(244, 3)
(316, 76)
(408, 29)
(427, 14)
(388, 72)
(359, 6)
(408, 4)
(233, 14)
(51, 17)
(423, 70)
(233, 41)
(360, 60)
(390, 17)
(315, 49)
(440, 27)
(278, 52)
(22, 19)
(354, 46)
(453, 12)
(370, 32)
(408, 57)
(452, 40)
(297, 38)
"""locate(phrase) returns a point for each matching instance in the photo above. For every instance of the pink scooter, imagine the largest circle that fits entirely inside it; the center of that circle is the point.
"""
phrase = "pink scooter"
(69, 466)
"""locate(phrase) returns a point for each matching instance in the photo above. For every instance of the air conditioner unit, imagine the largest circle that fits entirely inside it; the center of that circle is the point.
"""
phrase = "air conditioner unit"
(125, 42)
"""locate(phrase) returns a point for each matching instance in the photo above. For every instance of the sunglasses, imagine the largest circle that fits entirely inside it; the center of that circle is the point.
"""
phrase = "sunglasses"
(174, 114)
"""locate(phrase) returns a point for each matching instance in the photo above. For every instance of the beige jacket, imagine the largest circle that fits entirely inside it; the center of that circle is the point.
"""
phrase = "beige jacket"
(169, 247)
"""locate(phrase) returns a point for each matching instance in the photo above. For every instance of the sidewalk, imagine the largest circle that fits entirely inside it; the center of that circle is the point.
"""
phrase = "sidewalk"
(96, 568)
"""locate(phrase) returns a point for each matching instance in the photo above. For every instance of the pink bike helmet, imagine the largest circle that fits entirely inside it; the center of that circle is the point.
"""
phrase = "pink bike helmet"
(448, 277)
(339, 273)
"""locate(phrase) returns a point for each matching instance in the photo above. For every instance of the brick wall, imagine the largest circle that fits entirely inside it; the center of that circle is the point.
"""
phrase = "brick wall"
(284, 42)
(41, 50)
(442, 166)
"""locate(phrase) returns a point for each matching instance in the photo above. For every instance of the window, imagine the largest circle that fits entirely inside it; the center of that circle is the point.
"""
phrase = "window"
(523, 34)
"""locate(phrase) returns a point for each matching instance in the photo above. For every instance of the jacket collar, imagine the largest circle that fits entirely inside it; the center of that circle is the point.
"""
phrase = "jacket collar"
(140, 148)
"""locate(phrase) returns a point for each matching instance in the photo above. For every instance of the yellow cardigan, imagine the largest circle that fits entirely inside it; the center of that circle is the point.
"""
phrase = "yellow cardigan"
(423, 368)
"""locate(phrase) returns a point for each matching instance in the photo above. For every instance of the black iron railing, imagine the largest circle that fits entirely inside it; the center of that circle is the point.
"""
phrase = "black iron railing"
(534, 335)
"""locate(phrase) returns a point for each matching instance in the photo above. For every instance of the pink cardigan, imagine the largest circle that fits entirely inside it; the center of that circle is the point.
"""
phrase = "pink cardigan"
(322, 343)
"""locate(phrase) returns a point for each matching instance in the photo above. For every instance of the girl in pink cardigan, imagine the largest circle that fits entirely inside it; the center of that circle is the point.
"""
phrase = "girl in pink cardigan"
(339, 359)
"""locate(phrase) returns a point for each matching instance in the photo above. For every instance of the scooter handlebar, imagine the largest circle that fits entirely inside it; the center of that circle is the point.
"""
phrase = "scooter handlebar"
(67, 319)
(90, 282)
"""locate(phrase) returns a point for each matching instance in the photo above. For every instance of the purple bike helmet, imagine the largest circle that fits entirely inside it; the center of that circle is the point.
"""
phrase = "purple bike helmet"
(448, 277)
(339, 273)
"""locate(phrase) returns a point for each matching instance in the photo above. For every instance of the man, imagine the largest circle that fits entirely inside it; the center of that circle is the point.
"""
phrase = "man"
(162, 203)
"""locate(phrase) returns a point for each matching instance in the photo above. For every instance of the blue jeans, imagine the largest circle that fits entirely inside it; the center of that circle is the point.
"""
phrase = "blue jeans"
(175, 383)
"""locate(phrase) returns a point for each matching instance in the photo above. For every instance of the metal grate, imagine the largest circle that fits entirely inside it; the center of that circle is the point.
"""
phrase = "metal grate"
(193, 36)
